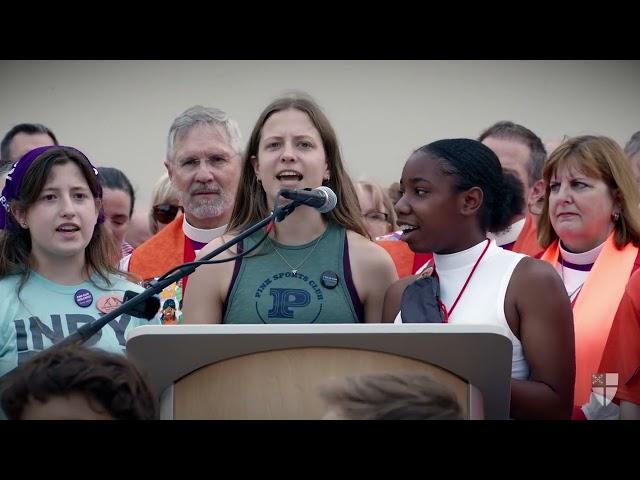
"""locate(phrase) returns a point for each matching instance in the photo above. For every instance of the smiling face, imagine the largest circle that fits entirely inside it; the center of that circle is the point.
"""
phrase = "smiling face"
(429, 211)
(62, 219)
(580, 208)
(290, 154)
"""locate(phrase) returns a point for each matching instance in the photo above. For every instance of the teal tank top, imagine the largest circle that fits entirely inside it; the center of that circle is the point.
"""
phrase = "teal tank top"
(309, 283)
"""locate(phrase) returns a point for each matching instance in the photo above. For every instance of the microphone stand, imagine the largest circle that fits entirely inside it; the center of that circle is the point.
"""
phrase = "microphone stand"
(86, 331)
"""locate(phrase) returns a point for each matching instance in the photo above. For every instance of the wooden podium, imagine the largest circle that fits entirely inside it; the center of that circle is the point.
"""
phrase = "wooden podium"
(276, 371)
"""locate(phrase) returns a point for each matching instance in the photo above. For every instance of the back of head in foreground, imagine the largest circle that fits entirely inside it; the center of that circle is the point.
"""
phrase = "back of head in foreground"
(75, 383)
(391, 396)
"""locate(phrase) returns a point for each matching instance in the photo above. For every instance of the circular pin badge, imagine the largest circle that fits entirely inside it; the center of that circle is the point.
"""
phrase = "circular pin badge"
(329, 279)
(83, 298)
(108, 302)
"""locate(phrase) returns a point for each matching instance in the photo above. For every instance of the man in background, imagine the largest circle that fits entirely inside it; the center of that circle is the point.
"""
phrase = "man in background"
(21, 139)
(521, 151)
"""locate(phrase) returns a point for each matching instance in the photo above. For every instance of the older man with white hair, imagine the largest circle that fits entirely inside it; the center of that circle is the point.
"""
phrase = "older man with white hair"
(203, 162)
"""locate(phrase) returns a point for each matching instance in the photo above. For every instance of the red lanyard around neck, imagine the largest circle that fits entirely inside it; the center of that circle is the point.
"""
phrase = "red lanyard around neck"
(448, 313)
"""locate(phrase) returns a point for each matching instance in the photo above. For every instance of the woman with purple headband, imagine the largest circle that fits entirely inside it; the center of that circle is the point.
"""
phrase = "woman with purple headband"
(56, 259)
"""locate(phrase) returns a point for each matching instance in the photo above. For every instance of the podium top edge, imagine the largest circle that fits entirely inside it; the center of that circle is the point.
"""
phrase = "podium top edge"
(304, 329)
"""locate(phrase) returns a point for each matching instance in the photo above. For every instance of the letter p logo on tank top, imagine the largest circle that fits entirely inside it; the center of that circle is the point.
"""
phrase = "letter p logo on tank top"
(288, 298)
(284, 299)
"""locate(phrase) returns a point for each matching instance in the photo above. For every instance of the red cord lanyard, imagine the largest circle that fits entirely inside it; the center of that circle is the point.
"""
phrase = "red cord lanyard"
(443, 307)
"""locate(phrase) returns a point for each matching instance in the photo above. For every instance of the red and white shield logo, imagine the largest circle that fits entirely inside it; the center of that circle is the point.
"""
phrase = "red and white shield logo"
(604, 386)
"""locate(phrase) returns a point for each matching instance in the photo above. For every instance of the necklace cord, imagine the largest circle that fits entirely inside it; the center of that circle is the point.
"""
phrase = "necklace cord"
(295, 269)
(443, 307)
(578, 288)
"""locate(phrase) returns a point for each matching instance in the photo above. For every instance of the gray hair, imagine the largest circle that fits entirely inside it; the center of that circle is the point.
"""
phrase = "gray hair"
(632, 148)
(199, 115)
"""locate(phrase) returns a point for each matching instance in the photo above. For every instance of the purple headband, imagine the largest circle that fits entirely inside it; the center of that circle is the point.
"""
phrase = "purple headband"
(11, 190)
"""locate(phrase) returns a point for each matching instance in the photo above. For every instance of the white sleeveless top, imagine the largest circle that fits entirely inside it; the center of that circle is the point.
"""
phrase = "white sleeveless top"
(483, 300)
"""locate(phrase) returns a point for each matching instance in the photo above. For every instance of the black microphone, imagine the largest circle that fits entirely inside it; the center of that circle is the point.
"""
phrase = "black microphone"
(147, 309)
(322, 198)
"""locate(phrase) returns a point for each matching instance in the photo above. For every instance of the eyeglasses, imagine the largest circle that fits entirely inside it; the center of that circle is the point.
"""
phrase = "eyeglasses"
(165, 212)
(375, 216)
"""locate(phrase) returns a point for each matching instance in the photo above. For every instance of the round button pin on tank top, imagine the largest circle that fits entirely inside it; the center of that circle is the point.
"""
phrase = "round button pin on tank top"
(329, 279)
(83, 298)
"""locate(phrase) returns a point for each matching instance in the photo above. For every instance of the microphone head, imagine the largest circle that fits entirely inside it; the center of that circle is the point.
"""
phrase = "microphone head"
(332, 199)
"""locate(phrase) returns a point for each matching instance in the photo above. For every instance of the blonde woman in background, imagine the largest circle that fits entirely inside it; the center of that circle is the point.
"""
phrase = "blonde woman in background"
(377, 209)
(165, 204)
(164, 208)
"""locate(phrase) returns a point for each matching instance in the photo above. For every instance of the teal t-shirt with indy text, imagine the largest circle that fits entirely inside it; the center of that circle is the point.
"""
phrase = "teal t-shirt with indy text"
(45, 312)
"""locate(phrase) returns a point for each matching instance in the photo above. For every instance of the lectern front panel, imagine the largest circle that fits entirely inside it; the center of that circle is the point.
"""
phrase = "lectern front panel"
(285, 384)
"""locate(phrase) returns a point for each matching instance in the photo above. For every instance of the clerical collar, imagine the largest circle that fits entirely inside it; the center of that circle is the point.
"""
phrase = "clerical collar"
(510, 235)
(585, 258)
(201, 235)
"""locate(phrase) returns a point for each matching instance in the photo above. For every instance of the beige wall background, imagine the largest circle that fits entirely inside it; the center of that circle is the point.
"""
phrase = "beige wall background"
(119, 112)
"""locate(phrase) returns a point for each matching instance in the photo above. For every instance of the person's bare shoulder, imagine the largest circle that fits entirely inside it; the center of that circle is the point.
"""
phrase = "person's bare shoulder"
(217, 243)
(533, 272)
(537, 291)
